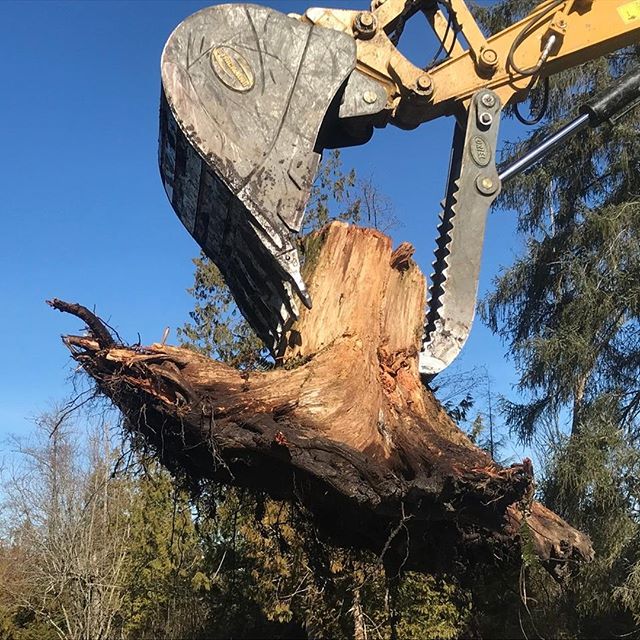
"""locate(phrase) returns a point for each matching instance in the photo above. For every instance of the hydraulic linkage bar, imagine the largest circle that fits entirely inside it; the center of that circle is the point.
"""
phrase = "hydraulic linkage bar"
(473, 185)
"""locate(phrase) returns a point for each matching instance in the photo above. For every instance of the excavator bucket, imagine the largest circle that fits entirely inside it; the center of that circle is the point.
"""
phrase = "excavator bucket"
(245, 91)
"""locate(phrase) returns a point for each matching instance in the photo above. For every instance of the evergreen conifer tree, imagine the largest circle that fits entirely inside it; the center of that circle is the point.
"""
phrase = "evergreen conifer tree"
(568, 310)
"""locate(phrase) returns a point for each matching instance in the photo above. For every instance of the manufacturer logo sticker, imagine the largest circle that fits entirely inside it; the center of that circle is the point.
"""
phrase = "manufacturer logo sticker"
(480, 151)
(232, 68)
(630, 12)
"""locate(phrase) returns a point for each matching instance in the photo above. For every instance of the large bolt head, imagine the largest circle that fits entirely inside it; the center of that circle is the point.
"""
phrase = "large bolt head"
(366, 19)
(488, 100)
(486, 185)
(488, 59)
(424, 82)
(424, 85)
(365, 23)
(370, 97)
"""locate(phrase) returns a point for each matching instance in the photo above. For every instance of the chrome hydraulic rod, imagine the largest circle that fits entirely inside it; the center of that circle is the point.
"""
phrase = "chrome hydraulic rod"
(544, 149)
(610, 105)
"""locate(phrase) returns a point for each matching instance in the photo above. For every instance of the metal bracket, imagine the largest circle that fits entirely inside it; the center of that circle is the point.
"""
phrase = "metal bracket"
(472, 187)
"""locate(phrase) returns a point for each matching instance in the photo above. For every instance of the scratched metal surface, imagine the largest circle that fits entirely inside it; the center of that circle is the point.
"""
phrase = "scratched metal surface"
(245, 90)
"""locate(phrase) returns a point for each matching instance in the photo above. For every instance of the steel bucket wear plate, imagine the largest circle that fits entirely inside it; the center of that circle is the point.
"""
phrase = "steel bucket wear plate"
(245, 90)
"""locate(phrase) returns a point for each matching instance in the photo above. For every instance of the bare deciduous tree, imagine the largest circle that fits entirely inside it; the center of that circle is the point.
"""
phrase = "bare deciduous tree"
(68, 517)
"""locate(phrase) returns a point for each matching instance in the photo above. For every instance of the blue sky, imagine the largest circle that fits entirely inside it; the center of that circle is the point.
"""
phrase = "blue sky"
(84, 214)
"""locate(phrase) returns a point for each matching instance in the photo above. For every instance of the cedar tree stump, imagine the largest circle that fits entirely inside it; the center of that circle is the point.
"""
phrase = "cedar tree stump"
(344, 426)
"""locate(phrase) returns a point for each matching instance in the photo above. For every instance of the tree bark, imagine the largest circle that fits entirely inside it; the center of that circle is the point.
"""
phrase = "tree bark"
(344, 425)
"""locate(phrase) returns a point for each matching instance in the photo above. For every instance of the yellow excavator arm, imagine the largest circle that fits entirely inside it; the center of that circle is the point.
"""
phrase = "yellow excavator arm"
(251, 97)
(556, 35)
